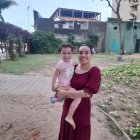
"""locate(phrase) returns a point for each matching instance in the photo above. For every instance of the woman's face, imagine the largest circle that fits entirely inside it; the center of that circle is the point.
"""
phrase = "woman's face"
(84, 55)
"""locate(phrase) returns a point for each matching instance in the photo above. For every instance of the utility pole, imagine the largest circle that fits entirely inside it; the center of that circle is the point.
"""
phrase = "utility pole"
(28, 8)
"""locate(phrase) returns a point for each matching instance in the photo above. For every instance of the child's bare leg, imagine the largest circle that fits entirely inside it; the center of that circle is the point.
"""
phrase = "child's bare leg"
(72, 109)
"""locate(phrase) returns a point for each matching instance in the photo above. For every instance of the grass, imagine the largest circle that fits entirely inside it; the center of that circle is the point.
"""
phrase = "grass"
(29, 63)
(36, 62)
(104, 56)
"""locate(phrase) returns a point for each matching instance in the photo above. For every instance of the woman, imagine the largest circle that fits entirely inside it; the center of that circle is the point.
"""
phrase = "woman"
(86, 82)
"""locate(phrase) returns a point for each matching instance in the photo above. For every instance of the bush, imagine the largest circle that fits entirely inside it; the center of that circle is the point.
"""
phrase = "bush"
(44, 43)
(19, 46)
(92, 40)
(11, 40)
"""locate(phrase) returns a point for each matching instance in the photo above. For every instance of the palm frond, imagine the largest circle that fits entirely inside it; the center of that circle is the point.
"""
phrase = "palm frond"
(1, 18)
(4, 4)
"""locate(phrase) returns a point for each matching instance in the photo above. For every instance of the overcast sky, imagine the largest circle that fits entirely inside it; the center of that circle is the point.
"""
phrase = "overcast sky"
(23, 17)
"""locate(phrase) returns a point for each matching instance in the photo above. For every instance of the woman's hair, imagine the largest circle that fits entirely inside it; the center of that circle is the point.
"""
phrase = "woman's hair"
(65, 46)
(87, 46)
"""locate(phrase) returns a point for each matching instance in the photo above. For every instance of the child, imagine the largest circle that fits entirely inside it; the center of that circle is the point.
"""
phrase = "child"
(63, 73)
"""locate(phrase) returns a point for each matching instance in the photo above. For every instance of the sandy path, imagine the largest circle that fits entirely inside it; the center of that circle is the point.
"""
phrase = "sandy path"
(28, 113)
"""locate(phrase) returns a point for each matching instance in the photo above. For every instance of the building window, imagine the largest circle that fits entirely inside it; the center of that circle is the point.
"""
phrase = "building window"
(135, 27)
(71, 25)
(84, 26)
(56, 26)
(115, 28)
(68, 25)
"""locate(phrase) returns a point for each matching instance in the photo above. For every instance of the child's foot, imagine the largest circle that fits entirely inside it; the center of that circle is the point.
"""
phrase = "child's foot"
(71, 121)
(53, 100)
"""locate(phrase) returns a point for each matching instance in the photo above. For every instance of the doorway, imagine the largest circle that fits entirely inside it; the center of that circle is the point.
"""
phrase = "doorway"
(137, 46)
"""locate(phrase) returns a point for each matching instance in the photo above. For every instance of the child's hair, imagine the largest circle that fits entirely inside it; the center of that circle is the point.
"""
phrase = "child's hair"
(65, 46)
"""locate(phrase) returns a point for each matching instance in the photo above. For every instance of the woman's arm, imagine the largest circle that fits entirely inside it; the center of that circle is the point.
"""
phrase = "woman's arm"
(88, 90)
(73, 94)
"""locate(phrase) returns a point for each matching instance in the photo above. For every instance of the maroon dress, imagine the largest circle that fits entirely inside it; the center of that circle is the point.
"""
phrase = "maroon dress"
(89, 82)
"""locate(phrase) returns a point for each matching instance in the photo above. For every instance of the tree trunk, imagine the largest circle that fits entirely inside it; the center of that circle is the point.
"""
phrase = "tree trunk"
(120, 36)
(1, 17)
(121, 40)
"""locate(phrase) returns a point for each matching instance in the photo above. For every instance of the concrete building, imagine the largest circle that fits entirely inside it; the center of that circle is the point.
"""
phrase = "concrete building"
(128, 11)
(64, 18)
(130, 35)
(71, 18)
(78, 22)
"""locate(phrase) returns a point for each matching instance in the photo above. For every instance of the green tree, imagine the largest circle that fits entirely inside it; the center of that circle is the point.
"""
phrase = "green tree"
(19, 46)
(10, 41)
(75, 44)
(44, 43)
(116, 10)
(4, 4)
(92, 40)
(71, 39)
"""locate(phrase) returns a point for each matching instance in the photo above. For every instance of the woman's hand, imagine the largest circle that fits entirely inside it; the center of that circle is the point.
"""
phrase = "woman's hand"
(61, 93)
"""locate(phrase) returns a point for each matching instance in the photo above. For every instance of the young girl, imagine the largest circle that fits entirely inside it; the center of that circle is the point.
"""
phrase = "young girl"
(63, 73)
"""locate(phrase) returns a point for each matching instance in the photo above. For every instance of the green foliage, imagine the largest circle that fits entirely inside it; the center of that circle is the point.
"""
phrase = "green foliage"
(4, 4)
(14, 46)
(107, 85)
(123, 74)
(11, 40)
(103, 106)
(92, 40)
(71, 38)
(114, 114)
(135, 132)
(44, 43)
(19, 45)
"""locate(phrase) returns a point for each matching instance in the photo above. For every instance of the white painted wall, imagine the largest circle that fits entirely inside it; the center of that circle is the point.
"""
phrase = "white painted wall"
(125, 10)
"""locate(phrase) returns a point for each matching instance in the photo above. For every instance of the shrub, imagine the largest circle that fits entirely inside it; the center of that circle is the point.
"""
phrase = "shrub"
(44, 42)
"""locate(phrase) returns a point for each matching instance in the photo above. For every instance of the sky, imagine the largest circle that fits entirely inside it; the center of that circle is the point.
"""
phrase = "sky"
(22, 14)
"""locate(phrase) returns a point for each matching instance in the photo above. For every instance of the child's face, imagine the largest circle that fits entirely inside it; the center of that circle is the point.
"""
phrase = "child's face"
(66, 54)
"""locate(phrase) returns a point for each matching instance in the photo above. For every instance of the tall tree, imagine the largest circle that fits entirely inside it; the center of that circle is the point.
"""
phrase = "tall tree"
(4, 4)
(116, 10)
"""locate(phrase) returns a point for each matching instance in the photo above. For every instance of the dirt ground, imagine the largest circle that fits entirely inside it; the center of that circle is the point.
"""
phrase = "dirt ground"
(32, 117)
(34, 114)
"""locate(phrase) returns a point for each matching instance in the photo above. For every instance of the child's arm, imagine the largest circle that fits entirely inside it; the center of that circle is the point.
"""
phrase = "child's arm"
(55, 76)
